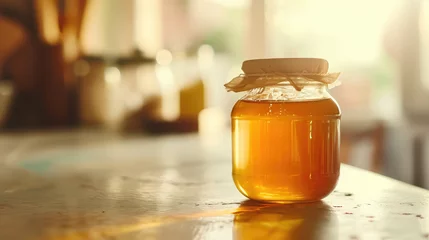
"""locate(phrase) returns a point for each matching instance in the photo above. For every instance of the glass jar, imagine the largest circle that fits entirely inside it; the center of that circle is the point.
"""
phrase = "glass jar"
(286, 139)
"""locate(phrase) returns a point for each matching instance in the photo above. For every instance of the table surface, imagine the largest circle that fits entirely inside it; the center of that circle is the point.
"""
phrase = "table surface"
(104, 186)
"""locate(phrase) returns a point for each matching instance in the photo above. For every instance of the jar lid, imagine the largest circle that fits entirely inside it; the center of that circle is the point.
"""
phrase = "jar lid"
(298, 72)
(286, 65)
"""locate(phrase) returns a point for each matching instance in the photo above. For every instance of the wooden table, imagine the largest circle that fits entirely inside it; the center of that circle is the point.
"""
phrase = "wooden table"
(101, 186)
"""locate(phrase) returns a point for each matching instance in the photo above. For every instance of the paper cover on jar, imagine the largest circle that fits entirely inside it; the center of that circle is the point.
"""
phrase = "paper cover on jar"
(298, 72)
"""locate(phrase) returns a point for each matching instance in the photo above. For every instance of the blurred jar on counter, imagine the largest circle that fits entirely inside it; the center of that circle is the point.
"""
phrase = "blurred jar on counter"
(138, 93)
(112, 89)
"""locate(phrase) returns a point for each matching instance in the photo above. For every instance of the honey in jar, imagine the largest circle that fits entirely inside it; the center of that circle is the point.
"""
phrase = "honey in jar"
(286, 131)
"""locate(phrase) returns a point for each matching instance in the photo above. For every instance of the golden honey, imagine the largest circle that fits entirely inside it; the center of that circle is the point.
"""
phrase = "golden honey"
(286, 151)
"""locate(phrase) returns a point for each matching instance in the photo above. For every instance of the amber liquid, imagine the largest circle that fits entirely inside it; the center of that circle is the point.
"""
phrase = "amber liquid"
(286, 151)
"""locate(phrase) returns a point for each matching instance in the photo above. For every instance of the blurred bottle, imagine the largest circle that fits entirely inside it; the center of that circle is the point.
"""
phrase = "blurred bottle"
(162, 112)
(193, 96)
(169, 99)
(192, 101)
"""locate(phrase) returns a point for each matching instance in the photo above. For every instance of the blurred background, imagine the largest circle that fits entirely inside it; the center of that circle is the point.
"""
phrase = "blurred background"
(155, 67)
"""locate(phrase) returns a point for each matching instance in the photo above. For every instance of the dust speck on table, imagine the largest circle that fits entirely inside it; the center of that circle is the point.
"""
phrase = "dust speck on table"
(230, 203)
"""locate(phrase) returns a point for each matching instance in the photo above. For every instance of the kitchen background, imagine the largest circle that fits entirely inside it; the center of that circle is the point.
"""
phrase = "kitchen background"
(158, 67)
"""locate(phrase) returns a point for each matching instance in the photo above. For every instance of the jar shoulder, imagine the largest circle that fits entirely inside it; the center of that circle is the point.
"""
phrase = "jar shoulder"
(318, 107)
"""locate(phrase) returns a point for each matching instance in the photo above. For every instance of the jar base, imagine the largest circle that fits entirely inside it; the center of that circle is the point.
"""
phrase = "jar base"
(282, 192)
(285, 201)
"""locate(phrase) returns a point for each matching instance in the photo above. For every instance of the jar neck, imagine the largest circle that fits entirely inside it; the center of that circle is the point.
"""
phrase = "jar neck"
(287, 92)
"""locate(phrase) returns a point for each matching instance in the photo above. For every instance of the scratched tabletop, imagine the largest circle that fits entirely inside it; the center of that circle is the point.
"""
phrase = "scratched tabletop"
(90, 185)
